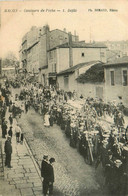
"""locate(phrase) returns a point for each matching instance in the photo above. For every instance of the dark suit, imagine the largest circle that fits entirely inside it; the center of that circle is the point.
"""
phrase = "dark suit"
(8, 152)
(51, 179)
(44, 174)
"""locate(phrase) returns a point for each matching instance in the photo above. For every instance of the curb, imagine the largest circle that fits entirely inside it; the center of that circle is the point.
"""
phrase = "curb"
(32, 157)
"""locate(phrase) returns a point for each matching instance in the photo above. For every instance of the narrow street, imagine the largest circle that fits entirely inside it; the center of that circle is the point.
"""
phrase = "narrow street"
(73, 177)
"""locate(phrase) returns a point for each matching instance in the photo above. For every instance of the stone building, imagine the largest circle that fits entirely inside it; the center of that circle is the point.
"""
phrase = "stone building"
(87, 79)
(116, 80)
(70, 54)
(34, 46)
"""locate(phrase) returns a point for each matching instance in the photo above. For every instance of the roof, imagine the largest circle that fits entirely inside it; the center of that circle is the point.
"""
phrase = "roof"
(80, 45)
(59, 30)
(112, 53)
(118, 61)
(78, 66)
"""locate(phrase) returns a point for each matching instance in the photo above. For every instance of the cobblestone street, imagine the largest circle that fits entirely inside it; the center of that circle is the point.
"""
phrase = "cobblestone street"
(73, 177)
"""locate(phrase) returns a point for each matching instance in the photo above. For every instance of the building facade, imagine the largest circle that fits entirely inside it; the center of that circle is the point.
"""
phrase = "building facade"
(68, 81)
(35, 45)
(116, 81)
(8, 72)
(121, 46)
(68, 55)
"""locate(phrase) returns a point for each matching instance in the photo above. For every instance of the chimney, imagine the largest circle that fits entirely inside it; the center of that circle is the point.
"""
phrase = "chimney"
(64, 30)
(70, 39)
(70, 49)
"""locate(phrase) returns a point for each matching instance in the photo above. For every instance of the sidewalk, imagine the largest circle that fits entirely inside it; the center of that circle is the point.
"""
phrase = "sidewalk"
(24, 178)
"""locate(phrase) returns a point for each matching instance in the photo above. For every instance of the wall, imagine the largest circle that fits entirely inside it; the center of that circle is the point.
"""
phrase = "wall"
(90, 54)
(43, 76)
(112, 93)
(62, 59)
(32, 36)
(8, 72)
(87, 89)
(58, 37)
(42, 51)
(33, 59)
(120, 46)
(52, 60)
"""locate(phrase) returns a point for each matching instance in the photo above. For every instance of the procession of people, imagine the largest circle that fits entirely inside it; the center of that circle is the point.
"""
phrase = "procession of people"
(82, 123)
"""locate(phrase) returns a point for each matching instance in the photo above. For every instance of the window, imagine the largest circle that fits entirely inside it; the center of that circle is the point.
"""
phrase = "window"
(112, 78)
(60, 37)
(124, 82)
(54, 67)
(50, 55)
(66, 82)
(82, 54)
(102, 54)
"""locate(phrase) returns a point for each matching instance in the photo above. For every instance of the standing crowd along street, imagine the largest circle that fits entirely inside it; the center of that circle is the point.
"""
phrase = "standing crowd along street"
(83, 125)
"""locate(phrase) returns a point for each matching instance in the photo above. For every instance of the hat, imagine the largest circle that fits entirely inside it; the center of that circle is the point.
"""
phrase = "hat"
(125, 148)
(51, 160)
(45, 156)
(118, 161)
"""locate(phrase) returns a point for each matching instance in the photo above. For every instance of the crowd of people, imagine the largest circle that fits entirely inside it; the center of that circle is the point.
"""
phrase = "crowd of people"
(97, 143)
(8, 130)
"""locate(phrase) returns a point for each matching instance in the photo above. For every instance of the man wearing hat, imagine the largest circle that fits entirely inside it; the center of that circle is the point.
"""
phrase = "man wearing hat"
(51, 175)
(44, 174)
(8, 152)
(109, 169)
(117, 177)
(4, 128)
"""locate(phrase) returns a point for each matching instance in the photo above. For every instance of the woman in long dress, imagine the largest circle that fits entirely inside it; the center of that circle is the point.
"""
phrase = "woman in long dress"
(46, 120)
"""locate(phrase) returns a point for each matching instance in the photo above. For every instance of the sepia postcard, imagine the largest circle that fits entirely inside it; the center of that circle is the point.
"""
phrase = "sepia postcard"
(64, 98)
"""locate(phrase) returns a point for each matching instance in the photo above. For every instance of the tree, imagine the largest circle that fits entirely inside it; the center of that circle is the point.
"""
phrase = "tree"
(10, 60)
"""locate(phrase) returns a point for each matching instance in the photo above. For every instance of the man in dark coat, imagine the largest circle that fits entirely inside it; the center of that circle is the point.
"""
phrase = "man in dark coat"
(8, 152)
(51, 175)
(10, 119)
(4, 129)
(10, 132)
(44, 174)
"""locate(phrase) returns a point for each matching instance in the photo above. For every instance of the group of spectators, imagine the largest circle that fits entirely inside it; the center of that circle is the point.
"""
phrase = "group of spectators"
(97, 143)
(8, 130)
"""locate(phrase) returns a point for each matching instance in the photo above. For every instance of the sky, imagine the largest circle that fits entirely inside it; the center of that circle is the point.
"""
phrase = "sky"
(17, 19)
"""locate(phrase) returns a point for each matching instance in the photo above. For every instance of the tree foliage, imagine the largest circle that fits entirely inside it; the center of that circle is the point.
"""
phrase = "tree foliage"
(92, 75)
